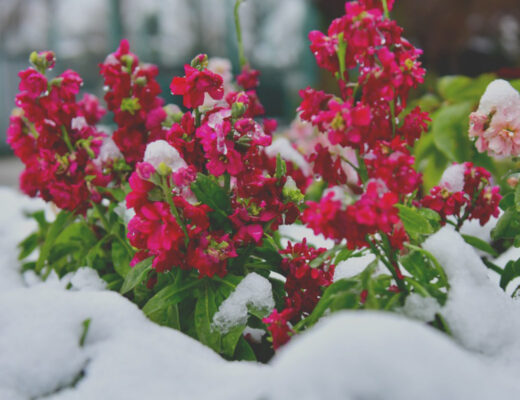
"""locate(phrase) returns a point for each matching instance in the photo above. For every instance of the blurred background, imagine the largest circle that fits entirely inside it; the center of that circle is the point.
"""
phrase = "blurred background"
(467, 37)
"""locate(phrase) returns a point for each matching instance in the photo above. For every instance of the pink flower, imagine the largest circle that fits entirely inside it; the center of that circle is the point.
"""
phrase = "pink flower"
(32, 82)
(496, 123)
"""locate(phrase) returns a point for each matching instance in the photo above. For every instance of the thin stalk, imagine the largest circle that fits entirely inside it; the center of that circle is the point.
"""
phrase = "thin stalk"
(400, 283)
(66, 138)
(106, 225)
(175, 211)
(241, 55)
(385, 9)
(362, 169)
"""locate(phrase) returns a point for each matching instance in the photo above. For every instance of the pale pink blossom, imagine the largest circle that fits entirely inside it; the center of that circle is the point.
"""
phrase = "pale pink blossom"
(496, 123)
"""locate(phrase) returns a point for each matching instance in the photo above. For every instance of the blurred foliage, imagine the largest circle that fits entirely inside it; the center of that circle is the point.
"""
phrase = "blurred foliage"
(450, 102)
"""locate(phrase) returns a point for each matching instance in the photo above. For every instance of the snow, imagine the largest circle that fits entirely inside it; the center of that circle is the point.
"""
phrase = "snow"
(499, 95)
(480, 315)
(348, 355)
(453, 178)
(421, 308)
(160, 152)
(352, 266)
(296, 233)
(108, 152)
(283, 147)
(254, 291)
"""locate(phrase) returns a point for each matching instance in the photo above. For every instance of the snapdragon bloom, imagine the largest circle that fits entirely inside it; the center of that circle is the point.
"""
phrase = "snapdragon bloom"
(496, 123)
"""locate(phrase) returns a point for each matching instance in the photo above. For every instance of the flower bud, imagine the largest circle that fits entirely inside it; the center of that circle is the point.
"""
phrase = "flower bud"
(200, 62)
(238, 109)
(43, 60)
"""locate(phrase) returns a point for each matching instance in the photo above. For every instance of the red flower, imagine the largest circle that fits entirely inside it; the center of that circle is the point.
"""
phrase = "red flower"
(195, 84)
(277, 325)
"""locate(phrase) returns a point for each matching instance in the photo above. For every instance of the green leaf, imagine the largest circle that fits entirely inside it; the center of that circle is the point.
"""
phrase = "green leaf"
(209, 192)
(332, 293)
(415, 223)
(244, 351)
(85, 324)
(480, 244)
(121, 259)
(508, 200)
(517, 197)
(230, 340)
(203, 317)
(28, 245)
(460, 88)
(511, 271)
(450, 131)
(508, 225)
(63, 219)
(170, 295)
(136, 275)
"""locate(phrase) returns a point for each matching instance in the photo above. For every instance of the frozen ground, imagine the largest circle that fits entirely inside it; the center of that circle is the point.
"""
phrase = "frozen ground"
(351, 355)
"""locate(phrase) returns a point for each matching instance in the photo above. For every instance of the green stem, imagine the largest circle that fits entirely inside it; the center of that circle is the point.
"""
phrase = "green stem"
(241, 55)
(167, 194)
(385, 9)
(227, 182)
(362, 168)
(400, 283)
(66, 138)
(197, 117)
(342, 52)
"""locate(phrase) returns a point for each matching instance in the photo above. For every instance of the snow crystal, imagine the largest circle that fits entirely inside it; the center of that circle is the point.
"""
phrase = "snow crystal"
(283, 147)
(499, 95)
(159, 152)
(253, 291)
(453, 178)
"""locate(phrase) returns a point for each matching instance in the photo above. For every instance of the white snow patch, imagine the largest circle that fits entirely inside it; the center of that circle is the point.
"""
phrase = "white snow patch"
(159, 152)
(253, 291)
(421, 308)
(108, 152)
(453, 178)
(283, 147)
(296, 233)
(349, 355)
(499, 95)
(352, 266)
(480, 315)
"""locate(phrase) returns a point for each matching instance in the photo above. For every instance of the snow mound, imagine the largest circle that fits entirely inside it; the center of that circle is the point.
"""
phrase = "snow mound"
(481, 316)
(253, 291)
(349, 355)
